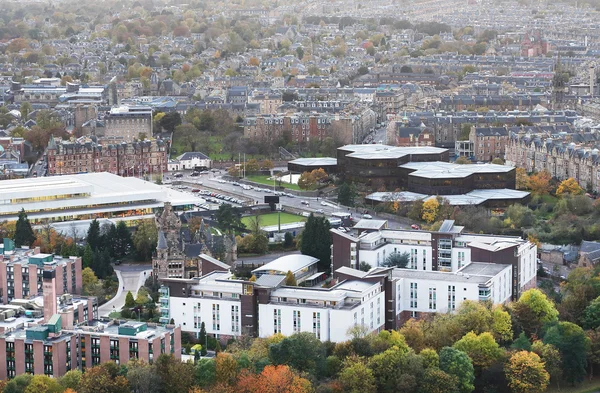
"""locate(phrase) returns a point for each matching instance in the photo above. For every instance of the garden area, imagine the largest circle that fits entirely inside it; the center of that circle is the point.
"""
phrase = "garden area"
(273, 219)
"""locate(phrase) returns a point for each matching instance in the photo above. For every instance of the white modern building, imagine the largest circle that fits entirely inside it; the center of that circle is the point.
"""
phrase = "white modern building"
(445, 250)
(87, 196)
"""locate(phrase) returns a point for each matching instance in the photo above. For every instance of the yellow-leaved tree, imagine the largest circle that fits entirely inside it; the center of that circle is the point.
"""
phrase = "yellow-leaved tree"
(569, 187)
(525, 373)
(430, 210)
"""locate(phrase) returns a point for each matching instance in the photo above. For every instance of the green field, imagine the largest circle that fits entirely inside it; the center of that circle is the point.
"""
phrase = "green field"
(264, 179)
(215, 148)
(271, 219)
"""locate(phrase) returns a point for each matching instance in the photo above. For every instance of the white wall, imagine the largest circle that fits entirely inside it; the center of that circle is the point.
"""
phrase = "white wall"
(335, 323)
(182, 312)
(377, 257)
(527, 264)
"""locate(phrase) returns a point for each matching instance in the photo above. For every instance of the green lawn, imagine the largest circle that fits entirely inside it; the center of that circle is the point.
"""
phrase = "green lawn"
(271, 219)
(215, 152)
(264, 179)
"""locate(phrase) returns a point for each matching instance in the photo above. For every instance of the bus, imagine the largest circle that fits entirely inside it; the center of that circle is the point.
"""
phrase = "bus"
(342, 215)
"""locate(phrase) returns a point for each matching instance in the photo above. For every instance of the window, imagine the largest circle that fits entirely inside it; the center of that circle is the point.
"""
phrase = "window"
(297, 322)
(216, 317)
(235, 319)
(424, 259)
(378, 311)
(451, 298)
(413, 295)
(432, 298)
(317, 324)
(276, 321)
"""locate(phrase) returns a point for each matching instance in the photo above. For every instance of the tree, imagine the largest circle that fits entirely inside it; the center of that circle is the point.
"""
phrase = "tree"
(498, 161)
(301, 351)
(275, 379)
(591, 315)
(290, 280)
(18, 384)
(594, 353)
(88, 257)
(316, 241)
(457, 363)
(206, 372)
(307, 181)
(227, 218)
(71, 380)
(482, 349)
(397, 259)
(364, 266)
(188, 134)
(551, 358)
(26, 109)
(202, 339)
(122, 240)
(346, 194)
(522, 342)
(573, 346)
(93, 237)
(43, 384)
(175, 376)
(462, 161)
(144, 240)
(533, 310)
(170, 120)
(88, 281)
(501, 325)
(430, 210)
(522, 179)
(525, 373)
(569, 187)
(435, 380)
(415, 210)
(356, 377)
(226, 368)
(300, 52)
(24, 235)
(102, 379)
(142, 377)
(539, 183)
(129, 300)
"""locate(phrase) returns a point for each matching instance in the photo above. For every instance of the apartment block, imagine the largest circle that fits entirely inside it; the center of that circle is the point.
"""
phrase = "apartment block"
(68, 336)
(446, 250)
(128, 122)
(22, 269)
(87, 155)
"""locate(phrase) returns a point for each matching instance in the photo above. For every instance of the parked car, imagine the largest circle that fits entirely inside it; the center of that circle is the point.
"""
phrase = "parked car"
(178, 175)
(195, 174)
(305, 203)
(415, 226)
(367, 216)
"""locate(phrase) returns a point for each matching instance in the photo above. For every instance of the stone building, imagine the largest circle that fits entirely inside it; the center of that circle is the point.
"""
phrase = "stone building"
(87, 155)
(178, 250)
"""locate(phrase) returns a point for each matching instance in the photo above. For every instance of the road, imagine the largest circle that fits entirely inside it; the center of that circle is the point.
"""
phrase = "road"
(131, 278)
(315, 205)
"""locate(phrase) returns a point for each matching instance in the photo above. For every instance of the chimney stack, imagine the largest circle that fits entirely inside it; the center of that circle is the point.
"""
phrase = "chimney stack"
(49, 288)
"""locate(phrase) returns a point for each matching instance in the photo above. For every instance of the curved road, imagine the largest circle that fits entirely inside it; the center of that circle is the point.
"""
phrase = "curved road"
(131, 278)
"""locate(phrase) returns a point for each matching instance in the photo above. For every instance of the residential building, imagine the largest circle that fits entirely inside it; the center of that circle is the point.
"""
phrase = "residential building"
(190, 160)
(589, 254)
(86, 155)
(21, 271)
(488, 142)
(70, 337)
(128, 122)
(445, 250)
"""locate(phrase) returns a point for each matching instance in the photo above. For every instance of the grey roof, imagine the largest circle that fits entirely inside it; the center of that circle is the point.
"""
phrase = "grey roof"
(590, 249)
(162, 241)
(446, 226)
(325, 161)
(270, 280)
(193, 154)
(370, 224)
(293, 263)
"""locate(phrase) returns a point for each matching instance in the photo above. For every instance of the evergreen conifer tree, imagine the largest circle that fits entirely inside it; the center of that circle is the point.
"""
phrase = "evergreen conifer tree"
(24, 235)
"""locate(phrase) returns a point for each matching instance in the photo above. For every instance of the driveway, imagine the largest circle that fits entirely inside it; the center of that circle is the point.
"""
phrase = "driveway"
(131, 278)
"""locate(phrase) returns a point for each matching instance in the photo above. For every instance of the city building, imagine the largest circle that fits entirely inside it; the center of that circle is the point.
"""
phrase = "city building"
(380, 165)
(301, 165)
(68, 336)
(87, 155)
(128, 122)
(181, 254)
(231, 307)
(87, 196)
(488, 142)
(562, 159)
(191, 160)
(445, 250)
(21, 271)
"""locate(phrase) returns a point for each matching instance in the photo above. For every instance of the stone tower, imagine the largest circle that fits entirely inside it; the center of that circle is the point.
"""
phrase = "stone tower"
(169, 258)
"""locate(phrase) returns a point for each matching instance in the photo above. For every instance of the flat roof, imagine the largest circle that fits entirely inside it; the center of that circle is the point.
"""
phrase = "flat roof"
(475, 197)
(482, 269)
(440, 276)
(101, 188)
(294, 263)
(378, 152)
(440, 169)
(317, 161)
(370, 224)
(401, 196)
